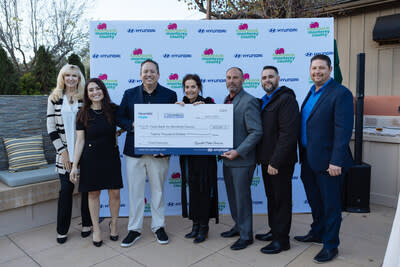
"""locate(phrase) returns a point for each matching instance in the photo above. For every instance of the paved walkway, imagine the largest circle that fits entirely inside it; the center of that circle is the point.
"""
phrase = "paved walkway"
(364, 239)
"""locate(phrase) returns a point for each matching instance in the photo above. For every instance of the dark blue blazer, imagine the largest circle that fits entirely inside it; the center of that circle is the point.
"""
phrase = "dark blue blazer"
(126, 111)
(329, 129)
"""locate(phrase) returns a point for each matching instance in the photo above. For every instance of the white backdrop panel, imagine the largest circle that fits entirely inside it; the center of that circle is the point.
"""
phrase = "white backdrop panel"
(208, 48)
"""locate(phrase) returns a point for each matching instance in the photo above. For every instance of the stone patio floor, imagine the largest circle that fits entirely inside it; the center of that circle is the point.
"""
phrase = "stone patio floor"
(364, 239)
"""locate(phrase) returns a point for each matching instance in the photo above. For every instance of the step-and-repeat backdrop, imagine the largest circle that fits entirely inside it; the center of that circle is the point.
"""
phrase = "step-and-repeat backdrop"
(208, 48)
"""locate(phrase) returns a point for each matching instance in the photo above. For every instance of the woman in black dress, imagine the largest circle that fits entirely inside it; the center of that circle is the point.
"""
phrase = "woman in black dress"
(199, 172)
(96, 151)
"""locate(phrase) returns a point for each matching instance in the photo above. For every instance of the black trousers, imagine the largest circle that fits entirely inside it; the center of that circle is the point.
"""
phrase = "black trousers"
(278, 189)
(64, 211)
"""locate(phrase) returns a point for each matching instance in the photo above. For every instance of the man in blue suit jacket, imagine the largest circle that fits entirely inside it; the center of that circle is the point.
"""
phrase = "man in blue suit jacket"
(326, 129)
(140, 166)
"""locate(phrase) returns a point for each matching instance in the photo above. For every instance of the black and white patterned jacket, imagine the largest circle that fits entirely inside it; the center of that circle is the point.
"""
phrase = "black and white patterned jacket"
(55, 129)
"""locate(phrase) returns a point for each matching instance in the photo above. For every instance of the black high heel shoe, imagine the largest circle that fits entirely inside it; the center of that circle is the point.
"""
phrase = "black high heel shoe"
(97, 243)
(86, 233)
(113, 237)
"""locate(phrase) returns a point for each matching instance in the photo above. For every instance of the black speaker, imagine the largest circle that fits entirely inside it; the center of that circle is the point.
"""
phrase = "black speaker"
(357, 185)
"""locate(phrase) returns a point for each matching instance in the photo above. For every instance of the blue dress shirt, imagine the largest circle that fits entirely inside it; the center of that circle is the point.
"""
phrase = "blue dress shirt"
(307, 108)
(265, 99)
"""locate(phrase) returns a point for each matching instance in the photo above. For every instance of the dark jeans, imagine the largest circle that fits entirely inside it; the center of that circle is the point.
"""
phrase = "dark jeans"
(278, 189)
(64, 211)
(323, 194)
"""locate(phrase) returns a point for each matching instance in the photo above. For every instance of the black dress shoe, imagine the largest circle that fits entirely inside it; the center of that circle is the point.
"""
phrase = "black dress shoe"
(326, 255)
(241, 244)
(275, 247)
(61, 239)
(230, 233)
(308, 238)
(98, 243)
(86, 233)
(195, 230)
(203, 233)
(264, 237)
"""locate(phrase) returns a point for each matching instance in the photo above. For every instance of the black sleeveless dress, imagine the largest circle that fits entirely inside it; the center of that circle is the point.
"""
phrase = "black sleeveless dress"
(100, 163)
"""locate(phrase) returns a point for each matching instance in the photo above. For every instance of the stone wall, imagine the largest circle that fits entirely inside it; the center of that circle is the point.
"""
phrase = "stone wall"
(23, 116)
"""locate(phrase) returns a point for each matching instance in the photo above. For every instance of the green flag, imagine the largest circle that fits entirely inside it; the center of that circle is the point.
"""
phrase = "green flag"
(336, 68)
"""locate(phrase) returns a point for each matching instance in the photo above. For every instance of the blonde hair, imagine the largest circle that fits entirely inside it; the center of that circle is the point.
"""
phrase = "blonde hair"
(59, 91)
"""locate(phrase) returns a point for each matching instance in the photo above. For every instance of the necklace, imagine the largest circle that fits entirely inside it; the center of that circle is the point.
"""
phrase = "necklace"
(98, 112)
(71, 100)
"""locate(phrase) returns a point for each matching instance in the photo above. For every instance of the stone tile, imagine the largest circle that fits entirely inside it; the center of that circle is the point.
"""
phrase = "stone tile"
(260, 223)
(40, 238)
(178, 225)
(217, 260)
(305, 218)
(75, 252)
(367, 226)
(227, 220)
(362, 252)
(305, 259)
(177, 253)
(252, 255)
(24, 261)
(120, 261)
(382, 211)
(8, 250)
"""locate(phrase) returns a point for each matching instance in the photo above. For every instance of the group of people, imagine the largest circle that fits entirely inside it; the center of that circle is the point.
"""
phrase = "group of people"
(82, 121)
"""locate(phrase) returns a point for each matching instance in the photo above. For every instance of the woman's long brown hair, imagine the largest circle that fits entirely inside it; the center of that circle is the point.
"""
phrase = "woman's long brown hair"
(107, 106)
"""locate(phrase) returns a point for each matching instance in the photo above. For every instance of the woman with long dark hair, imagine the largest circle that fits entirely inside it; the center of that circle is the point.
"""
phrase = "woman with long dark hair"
(199, 172)
(62, 107)
(96, 151)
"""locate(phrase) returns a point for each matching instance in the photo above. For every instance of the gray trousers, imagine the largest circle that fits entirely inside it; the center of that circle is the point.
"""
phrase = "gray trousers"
(238, 182)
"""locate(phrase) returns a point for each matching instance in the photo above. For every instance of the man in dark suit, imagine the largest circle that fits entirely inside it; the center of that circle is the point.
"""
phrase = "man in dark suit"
(155, 167)
(239, 163)
(277, 153)
(326, 129)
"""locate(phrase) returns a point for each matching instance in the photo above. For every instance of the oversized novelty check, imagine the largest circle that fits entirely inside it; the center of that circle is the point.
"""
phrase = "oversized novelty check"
(205, 129)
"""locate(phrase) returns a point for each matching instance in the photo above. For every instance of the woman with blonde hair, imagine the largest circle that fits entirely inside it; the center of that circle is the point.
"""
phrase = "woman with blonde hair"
(62, 107)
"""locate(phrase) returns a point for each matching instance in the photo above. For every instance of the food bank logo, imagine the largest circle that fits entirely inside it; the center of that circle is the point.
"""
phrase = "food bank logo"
(244, 32)
(209, 57)
(175, 179)
(110, 84)
(221, 205)
(102, 32)
(174, 33)
(281, 57)
(250, 83)
(173, 81)
(146, 205)
(317, 31)
(138, 57)
(256, 181)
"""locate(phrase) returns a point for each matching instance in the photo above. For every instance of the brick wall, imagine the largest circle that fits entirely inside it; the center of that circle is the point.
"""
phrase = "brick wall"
(22, 116)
